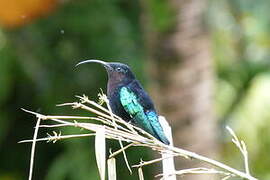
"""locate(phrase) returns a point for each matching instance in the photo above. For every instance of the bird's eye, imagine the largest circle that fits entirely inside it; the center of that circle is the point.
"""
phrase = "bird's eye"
(118, 69)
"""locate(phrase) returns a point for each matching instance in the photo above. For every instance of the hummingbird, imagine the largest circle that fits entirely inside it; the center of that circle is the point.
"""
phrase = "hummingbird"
(129, 100)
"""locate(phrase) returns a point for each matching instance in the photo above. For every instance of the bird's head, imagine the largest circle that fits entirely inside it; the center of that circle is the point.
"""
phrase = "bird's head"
(117, 72)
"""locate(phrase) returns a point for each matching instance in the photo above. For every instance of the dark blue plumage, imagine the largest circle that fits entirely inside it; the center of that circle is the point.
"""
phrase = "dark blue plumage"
(128, 99)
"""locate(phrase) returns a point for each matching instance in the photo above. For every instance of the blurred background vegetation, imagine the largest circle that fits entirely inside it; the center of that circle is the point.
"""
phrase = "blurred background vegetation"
(216, 53)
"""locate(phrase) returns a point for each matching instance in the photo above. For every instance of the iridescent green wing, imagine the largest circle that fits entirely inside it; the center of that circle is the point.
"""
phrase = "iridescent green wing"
(130, 103)
(145, 119)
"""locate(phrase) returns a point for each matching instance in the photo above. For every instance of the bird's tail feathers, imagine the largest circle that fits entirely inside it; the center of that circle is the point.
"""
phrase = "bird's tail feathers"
(159, 134)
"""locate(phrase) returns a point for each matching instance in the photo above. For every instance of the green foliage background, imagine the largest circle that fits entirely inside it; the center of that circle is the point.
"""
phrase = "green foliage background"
(37, 71)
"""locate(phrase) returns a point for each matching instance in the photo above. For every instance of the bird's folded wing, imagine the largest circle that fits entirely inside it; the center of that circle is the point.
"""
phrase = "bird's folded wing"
(129, 101)
(132, 106)
(145, 119)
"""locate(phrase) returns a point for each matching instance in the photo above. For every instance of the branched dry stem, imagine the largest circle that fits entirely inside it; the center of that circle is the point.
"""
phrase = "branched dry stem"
(56, 137)
(103, 98)
(242, 147)
(115, 128)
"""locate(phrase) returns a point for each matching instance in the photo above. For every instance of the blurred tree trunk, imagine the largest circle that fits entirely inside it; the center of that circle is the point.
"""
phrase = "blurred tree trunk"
(181, 74)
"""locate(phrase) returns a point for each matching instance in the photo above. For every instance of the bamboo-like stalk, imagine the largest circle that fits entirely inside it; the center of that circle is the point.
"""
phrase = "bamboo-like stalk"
(168, 165)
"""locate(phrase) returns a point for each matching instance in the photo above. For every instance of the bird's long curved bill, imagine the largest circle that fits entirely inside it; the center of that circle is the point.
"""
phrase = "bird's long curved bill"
(93, 61)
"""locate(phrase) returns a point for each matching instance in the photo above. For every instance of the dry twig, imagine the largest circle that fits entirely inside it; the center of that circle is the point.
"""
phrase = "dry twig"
(115, 128)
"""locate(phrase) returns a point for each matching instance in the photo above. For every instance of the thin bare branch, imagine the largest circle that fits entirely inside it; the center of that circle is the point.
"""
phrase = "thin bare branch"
(33, 150)
(145, 163)
(121, 150)
(197, 171)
